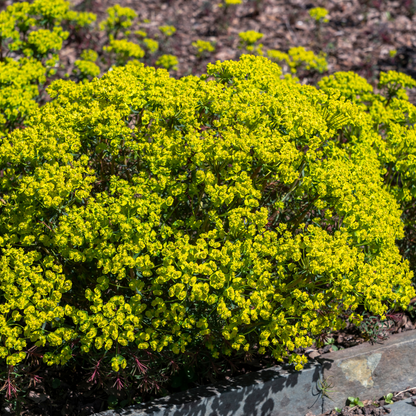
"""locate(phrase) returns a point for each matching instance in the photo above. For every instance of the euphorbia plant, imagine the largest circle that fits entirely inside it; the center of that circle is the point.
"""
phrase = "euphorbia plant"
(147, 215)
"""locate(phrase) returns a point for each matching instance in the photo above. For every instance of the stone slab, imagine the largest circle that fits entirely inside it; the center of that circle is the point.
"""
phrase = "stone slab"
(402, 408)
(274, 391)
(370, 371)
(365, 371)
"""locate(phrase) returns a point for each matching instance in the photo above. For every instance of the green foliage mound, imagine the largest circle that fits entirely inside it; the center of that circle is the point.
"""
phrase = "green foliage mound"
(141, 212)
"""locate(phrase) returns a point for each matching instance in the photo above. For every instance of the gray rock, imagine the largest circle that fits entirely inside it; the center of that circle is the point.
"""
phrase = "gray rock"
(365, 371)
(402, 408)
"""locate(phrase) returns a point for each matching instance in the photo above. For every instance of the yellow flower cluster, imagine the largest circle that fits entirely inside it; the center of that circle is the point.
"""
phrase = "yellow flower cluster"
(80, 19)
(168, 62)
(392, 53)
(43, 41)
(124, 50)
(86, 69)
(248, 40)
(203, 46)
(151, 45)
(119, 20)
(250, 36)
(167, 30)
(319, 14)
(299, 57)
(89, 55)
(140, 211)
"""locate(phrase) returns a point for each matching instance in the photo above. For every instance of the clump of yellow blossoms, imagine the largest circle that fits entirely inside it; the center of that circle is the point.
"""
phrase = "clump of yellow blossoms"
(203, 46)
(392, 53)
(231, 2)
(299, 57)
(119, 20)
(86, 67)
(319, 14)
(123, 50)
(167, 30)
(250, 36)
(168, 62)
(140, 212)
(248, 40)
(151, 45)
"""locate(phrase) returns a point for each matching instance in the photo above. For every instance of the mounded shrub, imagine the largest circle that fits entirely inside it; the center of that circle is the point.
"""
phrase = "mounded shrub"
(238, 211)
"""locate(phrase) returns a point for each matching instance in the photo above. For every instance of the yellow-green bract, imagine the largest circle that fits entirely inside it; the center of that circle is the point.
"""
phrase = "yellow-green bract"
(299, 56)
(319, 14)
(124, 50)
(168, 62)
(140, 211)
(203, 46)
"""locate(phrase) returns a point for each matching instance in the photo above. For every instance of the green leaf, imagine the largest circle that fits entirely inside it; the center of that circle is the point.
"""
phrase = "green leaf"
(112, 400)
(55, 383)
